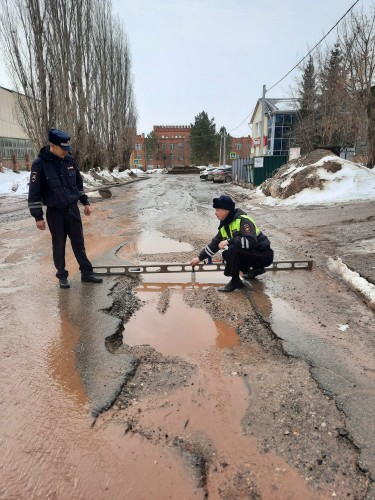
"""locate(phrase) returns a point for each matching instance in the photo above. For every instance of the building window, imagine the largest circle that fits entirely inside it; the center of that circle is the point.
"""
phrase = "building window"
(171, 157)
(164, 157)
(180, 158)
(138, 157)
(238, 145)
(238, 156)
(164, 146)
(171, 146)
(157, 146)
(149, 157)
(180, 145)
(9, 146)
(138, 147)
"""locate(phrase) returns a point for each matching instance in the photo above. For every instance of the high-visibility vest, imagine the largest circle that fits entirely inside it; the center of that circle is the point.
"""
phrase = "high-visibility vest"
(235, 226)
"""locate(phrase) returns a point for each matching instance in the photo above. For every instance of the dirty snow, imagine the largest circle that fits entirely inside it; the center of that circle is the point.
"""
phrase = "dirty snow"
(353, 279)
(350, 183)
(14, 184)
(17, 184)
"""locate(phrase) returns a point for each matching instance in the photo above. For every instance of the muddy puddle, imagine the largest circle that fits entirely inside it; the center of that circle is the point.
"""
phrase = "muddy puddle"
(200, 417)
(169, 325)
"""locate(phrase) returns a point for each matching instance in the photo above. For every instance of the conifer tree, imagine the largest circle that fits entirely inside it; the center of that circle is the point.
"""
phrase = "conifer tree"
(203, 140)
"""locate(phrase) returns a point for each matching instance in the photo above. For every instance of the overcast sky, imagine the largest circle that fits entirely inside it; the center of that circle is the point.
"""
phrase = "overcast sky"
(215, 55)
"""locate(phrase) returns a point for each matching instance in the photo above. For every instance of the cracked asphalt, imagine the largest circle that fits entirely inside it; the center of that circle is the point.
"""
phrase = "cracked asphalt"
(254, 394)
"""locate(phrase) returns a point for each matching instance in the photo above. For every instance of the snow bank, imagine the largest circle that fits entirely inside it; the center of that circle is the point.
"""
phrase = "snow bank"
(14, 184)
(327, 180)
(17, 184)
(353, 279)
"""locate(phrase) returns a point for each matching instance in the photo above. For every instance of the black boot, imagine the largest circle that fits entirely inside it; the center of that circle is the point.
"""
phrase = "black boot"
(91, 278)
(64, 283)
(252, 273)
(231, 286)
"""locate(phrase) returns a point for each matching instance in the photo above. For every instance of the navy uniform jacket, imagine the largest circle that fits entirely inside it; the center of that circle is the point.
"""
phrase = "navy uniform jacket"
(246, 238)
(54, 182)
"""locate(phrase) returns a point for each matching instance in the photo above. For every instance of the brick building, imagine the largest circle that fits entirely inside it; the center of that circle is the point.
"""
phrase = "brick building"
(241, 146)
(173, 148)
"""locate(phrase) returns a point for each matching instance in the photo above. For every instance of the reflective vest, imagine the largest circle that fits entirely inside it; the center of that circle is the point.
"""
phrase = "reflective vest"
(235, 226)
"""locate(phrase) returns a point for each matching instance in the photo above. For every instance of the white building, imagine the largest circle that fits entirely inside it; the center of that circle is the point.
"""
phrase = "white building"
(13, 139)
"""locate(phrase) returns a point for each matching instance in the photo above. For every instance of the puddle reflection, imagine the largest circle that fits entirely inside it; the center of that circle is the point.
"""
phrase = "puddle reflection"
(156, 242)
(62, 358)
(175, 328)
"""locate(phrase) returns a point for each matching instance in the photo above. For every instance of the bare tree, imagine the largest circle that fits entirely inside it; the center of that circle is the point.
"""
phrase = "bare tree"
(70, 62)
(357, 37)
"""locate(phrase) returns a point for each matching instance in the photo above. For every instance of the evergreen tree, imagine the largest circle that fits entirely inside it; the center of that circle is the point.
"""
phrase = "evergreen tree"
(203, 140)
(305, 133)
(308, 93)
(151, 144)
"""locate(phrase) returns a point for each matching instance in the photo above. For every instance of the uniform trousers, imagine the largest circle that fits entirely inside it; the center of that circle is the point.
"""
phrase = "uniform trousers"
(238, 259)
(63, 222)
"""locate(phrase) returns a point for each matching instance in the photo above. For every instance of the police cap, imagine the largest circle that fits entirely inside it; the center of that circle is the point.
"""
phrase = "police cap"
(59, 138)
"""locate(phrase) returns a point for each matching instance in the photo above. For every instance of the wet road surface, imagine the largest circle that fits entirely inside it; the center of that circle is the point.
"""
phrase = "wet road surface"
(205, 403)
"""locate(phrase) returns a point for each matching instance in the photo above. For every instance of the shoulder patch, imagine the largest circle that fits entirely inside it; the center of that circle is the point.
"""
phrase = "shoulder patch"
(247, 228)
(33, 176)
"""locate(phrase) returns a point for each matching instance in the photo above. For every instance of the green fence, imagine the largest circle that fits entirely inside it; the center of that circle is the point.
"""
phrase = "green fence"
(263, 168)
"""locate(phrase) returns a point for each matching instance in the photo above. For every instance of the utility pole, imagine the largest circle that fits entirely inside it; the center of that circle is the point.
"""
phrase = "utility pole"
(224, 148)
(221, 140)
(262, 120)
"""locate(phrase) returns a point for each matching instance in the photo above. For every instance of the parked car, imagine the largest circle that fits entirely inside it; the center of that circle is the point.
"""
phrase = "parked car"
(223, 175)
(211, 174)
(204, 173)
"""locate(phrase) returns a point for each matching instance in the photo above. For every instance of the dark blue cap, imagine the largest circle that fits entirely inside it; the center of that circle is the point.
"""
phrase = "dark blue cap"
(225, 202)
(59, 138)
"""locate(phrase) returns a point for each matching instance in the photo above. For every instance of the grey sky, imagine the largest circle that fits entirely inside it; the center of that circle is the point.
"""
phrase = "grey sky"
(215, 55)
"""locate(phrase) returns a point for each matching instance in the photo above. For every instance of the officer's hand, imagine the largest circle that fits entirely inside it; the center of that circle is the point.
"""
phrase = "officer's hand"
(195, 261)
(223, 244)
(87, 210)
(40, 224)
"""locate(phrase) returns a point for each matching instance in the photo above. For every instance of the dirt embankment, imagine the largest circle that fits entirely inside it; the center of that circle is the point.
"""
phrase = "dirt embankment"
(291, 179)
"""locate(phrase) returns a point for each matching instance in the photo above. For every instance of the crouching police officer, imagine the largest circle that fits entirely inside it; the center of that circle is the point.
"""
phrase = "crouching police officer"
(247, 248)
(56, 182)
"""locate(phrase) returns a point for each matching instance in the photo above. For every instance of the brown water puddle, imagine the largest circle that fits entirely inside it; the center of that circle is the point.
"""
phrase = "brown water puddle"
(206, 414)
(177, 329)
(48, 448)
(211, 407)
(157, 242)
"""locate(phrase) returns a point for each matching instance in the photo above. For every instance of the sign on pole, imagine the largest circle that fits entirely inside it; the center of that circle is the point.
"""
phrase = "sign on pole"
(136, 162)
(232, 156)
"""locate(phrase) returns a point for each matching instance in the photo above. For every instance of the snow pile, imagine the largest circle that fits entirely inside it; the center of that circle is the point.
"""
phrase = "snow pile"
(354, 280)
(156, 171)
(17, 184)
(100, 177)
(319, 178)
(12, 183)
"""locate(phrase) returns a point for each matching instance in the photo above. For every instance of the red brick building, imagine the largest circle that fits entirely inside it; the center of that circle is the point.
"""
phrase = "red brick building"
(173, 148)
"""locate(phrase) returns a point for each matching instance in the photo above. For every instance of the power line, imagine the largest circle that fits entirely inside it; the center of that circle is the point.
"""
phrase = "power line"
(294, 67)
(320, 41)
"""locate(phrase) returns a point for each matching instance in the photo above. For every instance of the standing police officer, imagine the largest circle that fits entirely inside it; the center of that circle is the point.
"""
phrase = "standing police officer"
(247, 248)
(56, 182)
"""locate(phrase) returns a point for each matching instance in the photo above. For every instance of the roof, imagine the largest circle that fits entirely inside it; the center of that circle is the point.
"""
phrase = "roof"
(278, 105)
(282, 105)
